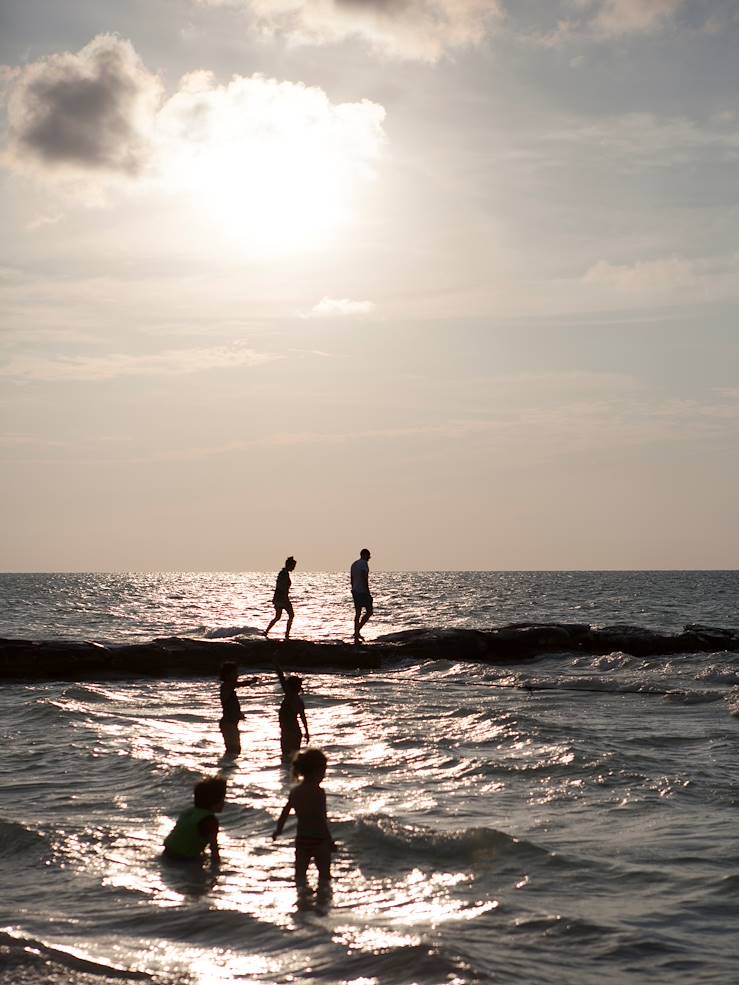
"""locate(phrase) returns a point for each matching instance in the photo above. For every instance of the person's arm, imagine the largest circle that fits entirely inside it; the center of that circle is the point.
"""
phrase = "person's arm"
(282, 585)
(322, 792)
(283, 817)
(279, 674)
(301, 712)
(209, 830)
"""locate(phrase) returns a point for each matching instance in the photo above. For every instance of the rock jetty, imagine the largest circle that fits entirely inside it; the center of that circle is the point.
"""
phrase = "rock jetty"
(176, 657)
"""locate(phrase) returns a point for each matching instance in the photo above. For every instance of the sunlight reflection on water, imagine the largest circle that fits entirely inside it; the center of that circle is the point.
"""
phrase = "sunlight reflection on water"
(479, 828)
(135, 606)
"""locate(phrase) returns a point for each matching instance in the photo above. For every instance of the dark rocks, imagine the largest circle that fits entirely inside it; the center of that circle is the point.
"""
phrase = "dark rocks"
(24, 659)
(437, 644)
(710, 637)
(60, 660)
(538, 637)
(37, 658)
(637, 641)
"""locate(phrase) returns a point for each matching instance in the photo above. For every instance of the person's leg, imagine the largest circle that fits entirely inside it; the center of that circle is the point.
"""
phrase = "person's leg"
(302, 858)
(278, 616)
(290, 740)
(365, 618)
(323, 864)
(357, 614)
(231, 737)
(290, 617)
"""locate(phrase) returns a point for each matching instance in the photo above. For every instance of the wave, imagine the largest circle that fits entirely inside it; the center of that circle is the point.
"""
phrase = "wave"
(29, 959)
(718, 675)
(726, 886)
(381, 834)
(732, 702)
(85, 692)
(15, 838)
(416, 962)
(639, 686)
(439, 667)
(605, 661)
(692, 697)
(225, 632)
(556, 925)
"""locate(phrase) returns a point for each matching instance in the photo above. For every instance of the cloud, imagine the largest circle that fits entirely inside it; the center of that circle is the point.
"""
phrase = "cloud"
(174, 362)
(253, 121)
(663, 274)
(44, 220)
(667, 280)
(273, 164)
(255, 155)
(602, 20)
(339, 308)
(618, 17)
(86, 112)
(421, 30)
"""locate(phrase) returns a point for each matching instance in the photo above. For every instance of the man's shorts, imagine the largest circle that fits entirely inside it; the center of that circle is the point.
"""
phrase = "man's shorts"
(362, 600)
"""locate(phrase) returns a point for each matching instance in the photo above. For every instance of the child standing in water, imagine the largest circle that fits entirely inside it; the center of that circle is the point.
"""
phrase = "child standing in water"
(281, 599)
(231, 708)
(292, 708)
(197, 827)
(313, 841)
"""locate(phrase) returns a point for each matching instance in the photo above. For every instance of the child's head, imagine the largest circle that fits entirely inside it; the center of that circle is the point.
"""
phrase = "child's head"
(290, 563)
(229, 671)
(310, 764)
(294, 684)
(210, 794)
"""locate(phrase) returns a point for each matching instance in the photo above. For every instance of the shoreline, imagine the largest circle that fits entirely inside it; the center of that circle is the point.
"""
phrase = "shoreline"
(184, 657)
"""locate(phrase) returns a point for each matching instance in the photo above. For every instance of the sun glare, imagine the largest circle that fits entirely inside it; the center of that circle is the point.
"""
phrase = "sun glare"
(279, 199)
(271, 165)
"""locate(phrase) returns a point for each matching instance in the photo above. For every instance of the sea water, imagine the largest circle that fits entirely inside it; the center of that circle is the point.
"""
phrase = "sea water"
(567, 820)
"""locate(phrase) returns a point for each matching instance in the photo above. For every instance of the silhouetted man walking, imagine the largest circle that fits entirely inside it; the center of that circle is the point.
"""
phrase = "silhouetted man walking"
(359, 575)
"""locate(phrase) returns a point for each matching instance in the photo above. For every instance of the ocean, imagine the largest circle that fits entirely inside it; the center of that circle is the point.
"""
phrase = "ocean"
(570, 819)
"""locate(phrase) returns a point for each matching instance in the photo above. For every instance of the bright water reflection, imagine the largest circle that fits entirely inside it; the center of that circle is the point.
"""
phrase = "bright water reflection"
(486, 833)
(130, 606)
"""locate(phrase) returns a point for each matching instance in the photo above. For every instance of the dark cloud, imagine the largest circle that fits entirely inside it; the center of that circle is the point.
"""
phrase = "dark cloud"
(86, 111)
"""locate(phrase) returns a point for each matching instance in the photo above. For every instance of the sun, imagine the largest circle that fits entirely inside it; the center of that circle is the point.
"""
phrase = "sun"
(278, 196)
(273, 166)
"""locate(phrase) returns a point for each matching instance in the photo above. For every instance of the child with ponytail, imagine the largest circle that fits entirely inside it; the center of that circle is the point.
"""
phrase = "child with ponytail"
(313, 840)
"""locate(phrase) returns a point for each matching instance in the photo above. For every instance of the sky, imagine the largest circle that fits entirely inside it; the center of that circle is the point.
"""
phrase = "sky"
(456, 280)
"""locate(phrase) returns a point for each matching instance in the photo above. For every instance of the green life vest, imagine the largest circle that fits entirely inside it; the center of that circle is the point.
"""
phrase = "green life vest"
(185, 840)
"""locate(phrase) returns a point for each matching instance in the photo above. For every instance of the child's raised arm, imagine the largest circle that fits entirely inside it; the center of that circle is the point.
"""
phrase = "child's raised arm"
(280, 674)
(283, 817)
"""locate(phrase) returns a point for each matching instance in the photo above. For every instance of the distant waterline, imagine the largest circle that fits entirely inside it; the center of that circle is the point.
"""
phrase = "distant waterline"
(131, 606)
